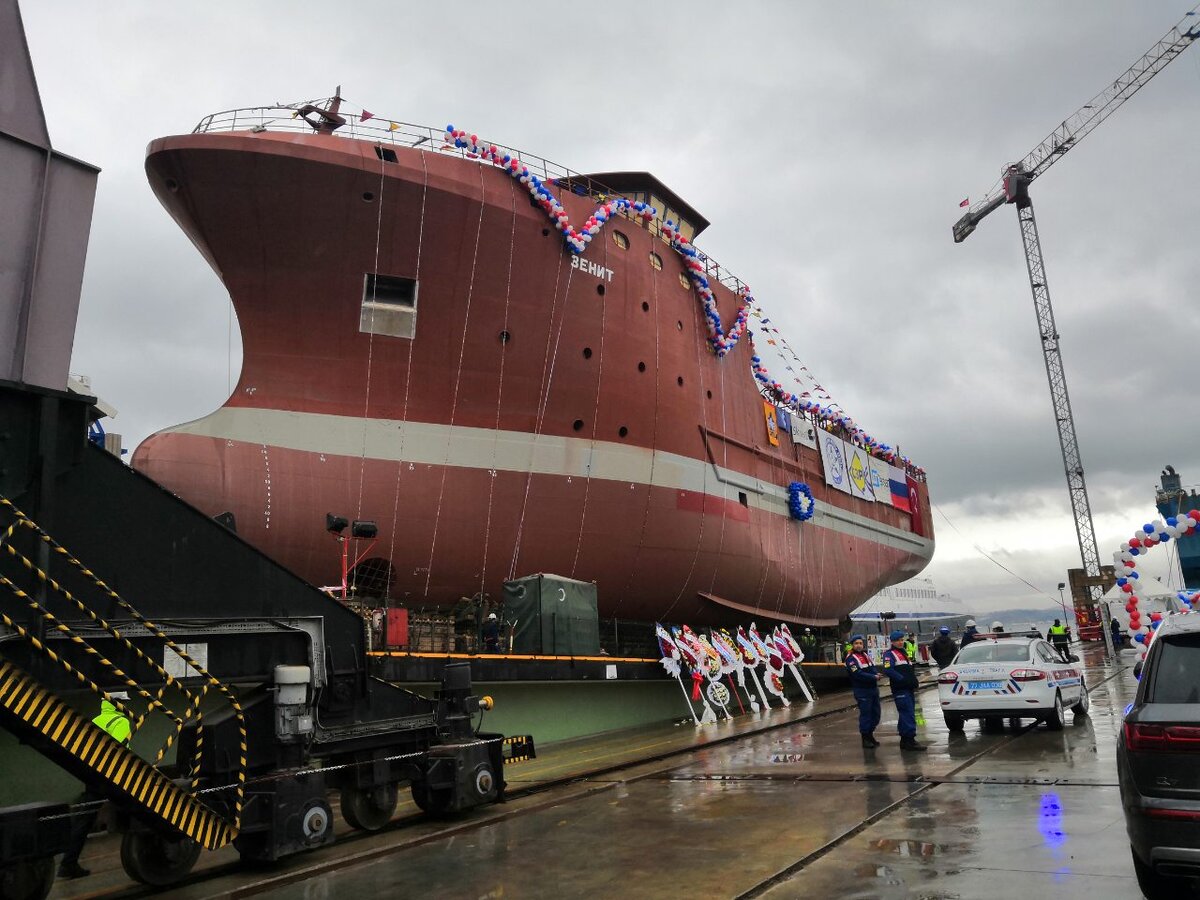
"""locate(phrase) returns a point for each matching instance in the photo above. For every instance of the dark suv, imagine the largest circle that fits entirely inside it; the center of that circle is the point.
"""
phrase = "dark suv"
(1158, 761)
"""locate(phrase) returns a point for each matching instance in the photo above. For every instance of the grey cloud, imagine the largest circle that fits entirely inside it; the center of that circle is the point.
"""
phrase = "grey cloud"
(828, 143)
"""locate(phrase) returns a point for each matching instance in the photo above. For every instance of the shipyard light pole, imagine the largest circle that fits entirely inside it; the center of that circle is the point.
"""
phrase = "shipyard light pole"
(1013, 187)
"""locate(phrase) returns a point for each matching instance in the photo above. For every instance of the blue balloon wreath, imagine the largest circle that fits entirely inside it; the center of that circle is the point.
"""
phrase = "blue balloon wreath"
(800, 501)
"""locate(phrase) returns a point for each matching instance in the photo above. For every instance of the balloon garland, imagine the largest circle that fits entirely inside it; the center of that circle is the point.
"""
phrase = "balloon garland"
(1150, 535)
(721, 341)
(800, 501)
(576, 240)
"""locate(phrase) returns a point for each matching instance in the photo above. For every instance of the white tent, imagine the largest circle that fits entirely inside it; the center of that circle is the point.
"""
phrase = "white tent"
(1153, 596)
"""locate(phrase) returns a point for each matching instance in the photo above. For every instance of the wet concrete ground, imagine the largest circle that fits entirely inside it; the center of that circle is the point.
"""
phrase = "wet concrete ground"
(799, 810)
(1024, 813)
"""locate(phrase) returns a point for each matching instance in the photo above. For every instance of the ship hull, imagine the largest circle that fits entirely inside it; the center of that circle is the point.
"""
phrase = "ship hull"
(550, 413)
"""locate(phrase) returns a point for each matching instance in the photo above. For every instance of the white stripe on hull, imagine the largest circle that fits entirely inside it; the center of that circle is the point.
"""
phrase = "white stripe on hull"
(516, 451)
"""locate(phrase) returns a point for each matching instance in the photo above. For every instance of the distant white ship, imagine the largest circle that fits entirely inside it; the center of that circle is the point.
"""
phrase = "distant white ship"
(913, 605)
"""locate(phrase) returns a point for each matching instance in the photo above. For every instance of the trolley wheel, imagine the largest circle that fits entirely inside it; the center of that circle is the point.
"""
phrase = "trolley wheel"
(369, 809)
(436, 802)
(157, 859)
(29, 879)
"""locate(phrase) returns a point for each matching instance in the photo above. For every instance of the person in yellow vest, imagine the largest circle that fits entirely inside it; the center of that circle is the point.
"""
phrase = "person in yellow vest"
(116, 724)
(1060, 639)
(910, 647)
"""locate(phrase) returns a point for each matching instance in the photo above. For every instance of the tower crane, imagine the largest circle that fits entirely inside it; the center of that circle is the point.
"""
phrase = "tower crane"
(1013, 188)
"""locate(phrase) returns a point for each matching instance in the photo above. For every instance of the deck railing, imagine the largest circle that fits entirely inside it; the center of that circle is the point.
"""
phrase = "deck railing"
(388, 132)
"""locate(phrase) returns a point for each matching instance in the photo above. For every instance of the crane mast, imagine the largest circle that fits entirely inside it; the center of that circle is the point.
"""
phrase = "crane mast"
(1013, 188)
(1081, 508)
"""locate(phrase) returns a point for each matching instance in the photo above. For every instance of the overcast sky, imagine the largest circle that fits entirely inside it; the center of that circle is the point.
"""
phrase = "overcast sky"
(829, 144)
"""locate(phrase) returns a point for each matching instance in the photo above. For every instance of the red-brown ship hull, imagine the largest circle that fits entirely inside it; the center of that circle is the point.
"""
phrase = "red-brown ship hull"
(546, 416)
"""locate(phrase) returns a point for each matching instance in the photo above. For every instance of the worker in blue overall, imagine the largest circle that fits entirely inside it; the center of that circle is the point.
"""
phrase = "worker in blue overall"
(899, 670)
(864, 683)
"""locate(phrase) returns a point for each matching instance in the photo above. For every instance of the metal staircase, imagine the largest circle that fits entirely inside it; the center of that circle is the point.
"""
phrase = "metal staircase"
(62, 734)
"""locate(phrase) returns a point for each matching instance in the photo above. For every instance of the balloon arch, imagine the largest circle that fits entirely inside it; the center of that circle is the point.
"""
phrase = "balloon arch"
(1151, 535)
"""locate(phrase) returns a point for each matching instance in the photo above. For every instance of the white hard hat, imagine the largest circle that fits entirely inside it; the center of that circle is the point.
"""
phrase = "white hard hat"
(997, 625)
(491, 616)
(970, 623)
(118, 695)
(808, 629)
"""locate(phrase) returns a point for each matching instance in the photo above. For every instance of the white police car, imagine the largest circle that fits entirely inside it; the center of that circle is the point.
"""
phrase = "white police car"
(1011, 678)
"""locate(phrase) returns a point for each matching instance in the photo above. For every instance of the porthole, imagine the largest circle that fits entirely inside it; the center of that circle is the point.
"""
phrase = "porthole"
(577, 425)
(172, 185)
(368, 196)
(622, 431)
(645, 306)
(600, 289)
(545, 232)
(655, 261)
(679, 381)
(587, 352)
(709, 393)
(641, 367)
(620, 240)
(683, 279)
(679, 325)
(505, 337)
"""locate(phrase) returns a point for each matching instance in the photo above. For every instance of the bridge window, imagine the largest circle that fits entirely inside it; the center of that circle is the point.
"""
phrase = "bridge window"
(620, 240)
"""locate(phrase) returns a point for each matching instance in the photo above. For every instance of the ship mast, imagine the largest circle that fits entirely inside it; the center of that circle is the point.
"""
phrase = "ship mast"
(328, 119)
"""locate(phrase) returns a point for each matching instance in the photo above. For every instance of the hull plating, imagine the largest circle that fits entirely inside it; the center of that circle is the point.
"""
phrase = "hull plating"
(546, 416)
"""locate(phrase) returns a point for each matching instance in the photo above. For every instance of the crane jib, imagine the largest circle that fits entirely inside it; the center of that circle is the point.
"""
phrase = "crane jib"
(1013, 188)
(1088, 117)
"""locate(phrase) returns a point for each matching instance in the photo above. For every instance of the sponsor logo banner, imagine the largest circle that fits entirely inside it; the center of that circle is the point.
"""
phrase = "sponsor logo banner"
(804, 432)
(858, 469)
(833, 459)
(772, 425)
(880, 481)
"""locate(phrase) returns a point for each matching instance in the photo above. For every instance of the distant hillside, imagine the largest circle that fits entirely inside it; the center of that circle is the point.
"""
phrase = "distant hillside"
(1023, 617)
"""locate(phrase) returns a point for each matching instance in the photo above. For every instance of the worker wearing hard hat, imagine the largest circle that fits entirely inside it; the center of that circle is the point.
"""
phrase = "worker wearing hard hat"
(970, 634)
(491, 634)
(997, 627)
(864, 684)
(116, 724)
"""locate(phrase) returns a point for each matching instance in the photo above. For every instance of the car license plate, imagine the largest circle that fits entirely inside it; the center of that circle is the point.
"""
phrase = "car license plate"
(985, 685)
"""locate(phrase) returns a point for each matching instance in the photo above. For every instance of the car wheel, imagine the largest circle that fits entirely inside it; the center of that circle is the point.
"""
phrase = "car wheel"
(954, 722)
(1155, 886)
(1057, 716)
(1081, 708)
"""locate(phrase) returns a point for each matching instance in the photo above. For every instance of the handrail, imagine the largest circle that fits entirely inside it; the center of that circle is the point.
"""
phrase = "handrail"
(379, 130)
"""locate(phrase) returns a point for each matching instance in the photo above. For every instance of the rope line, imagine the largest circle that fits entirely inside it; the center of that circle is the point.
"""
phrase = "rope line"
(362, 470)
(408, 375)
(462, 351)
(543, 399)
(487, 528)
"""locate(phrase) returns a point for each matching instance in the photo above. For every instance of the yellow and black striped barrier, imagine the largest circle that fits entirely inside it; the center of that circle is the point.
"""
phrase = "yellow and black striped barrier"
(518, 748)
(90, 753)
(194, 698)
